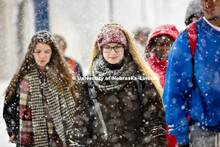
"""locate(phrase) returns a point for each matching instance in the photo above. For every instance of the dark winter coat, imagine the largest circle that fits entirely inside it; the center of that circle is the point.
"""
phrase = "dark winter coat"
(130, 119)
(11, 116)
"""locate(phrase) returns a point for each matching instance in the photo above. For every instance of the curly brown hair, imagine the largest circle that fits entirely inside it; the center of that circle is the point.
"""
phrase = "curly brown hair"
(57, 66)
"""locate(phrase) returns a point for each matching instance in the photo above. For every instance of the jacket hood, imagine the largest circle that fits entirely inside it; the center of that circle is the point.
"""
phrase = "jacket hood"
(194, 9)
(166, 29)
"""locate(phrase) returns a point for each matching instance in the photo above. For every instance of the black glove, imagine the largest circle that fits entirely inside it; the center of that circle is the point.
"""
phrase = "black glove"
(184, 145)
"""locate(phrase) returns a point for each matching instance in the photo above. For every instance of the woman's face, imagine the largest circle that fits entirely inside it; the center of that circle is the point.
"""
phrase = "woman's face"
(113, 53)
(42, 55)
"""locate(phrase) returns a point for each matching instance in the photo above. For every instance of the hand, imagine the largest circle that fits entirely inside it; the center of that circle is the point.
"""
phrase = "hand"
(184, 145)
(12, 138)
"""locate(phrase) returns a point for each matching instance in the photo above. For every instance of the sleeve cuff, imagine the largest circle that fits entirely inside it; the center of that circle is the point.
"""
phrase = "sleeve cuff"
(182, 139)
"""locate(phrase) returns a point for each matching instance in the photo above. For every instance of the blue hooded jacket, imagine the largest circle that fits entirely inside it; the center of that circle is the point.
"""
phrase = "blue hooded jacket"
(201, 101)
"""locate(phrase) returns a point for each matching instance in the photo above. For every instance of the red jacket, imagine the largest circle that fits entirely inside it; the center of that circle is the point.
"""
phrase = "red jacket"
(157, 65)
(160, 66)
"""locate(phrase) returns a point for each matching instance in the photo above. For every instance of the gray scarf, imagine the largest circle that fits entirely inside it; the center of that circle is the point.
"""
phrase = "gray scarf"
(108, 80)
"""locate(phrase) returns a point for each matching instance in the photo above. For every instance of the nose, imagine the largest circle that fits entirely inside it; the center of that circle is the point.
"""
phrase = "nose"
(42, 55)
(113, 51)
(208, 3)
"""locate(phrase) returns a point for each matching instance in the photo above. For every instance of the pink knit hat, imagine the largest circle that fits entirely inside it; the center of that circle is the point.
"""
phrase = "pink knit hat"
(111, 35)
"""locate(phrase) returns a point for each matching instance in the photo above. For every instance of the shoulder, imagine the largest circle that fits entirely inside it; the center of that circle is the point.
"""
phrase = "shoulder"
(180, 48)
(84, 83)
(25, 84)
(182, 37)
(150, 60)
(87, 79)
(67, 58)
(142, 80)
(151, 91)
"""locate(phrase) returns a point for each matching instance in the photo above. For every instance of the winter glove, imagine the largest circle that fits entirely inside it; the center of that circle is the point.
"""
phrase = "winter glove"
(184, 145)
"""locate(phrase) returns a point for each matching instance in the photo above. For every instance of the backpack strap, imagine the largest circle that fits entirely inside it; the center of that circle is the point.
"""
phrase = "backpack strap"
(192, 36)
(91, 89)
(93, 97)
(139, 86)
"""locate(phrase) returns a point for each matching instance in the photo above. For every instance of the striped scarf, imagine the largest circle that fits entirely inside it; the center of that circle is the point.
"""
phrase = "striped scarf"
(60, 107)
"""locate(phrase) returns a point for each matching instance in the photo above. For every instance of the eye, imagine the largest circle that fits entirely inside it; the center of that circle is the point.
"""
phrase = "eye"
(118, 46)
(47, 52)
(107, 47)
(37, 52)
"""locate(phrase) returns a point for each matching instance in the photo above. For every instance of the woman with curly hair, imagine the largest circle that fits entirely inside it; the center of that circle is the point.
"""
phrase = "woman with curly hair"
(40, 99)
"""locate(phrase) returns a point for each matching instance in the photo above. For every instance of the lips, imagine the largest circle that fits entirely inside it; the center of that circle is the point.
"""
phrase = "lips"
(112, 57)
(165, 55)
(208, 11)
(42, 61)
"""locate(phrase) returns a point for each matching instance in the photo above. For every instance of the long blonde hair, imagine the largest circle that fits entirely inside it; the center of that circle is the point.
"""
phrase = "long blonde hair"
(58, 68)
(132, 48)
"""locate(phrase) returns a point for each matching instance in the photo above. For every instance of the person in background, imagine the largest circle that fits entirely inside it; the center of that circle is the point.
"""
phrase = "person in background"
(62, 45)
(159, 44)
(40, 99)
(141, 36)
(120, 112)
(192, 83)
(193, 12)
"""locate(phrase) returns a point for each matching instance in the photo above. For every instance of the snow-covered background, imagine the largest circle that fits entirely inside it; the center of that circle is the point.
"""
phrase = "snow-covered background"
(79, 21)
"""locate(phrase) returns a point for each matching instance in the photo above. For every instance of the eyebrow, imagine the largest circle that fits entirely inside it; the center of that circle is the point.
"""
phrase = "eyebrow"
(40, 49)
(114, 45)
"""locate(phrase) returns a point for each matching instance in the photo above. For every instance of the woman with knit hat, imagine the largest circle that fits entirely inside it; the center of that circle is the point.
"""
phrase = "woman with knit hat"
(119, 111)
(159, 44)
(40, 99)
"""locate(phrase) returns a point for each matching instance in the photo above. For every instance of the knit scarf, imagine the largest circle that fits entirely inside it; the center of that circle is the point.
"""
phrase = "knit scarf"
(103, 77)
(60, 107)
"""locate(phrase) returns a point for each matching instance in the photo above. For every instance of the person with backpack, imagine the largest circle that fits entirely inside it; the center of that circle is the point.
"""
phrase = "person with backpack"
(123, 106)
(192, 81)
(159, 44)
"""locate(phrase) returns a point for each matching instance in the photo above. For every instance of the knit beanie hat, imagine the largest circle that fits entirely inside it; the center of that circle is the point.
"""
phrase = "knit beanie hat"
(194, 9)
(111, 35)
